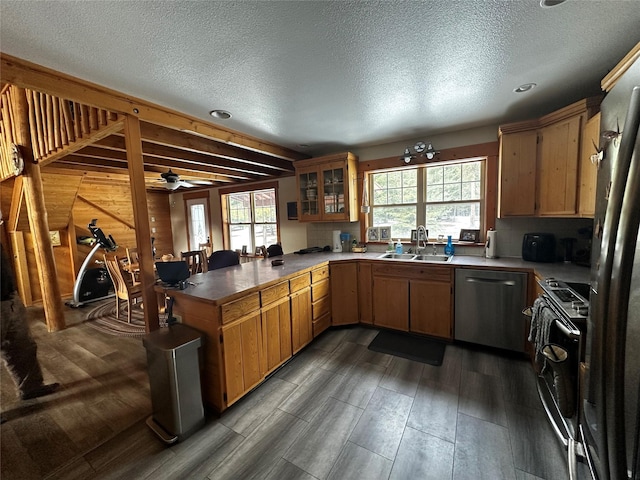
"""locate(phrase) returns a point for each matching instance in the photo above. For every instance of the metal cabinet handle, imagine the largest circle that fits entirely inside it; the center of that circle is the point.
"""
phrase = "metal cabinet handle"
(509, 283)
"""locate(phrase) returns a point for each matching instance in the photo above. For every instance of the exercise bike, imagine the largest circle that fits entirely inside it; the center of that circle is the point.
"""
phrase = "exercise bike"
(94, 284)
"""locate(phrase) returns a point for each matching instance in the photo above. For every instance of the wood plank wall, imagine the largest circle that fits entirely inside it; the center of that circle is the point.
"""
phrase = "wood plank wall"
(111, 204)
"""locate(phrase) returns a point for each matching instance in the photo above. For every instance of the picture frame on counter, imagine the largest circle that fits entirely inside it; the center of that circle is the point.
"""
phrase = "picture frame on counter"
(385, 234)
(373, 234)
(469, 236)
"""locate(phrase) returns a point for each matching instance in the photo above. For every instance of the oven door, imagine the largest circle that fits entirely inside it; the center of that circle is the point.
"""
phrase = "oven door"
(556, 343)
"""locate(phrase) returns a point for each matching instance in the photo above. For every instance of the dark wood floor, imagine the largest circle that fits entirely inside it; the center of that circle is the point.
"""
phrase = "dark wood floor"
(337, 411)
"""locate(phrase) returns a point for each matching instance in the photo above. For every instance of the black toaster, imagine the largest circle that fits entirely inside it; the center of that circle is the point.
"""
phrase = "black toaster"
(539, 247)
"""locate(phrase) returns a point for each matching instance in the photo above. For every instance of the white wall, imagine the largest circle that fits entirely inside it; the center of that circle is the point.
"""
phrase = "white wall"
(292, 233)
(296, 235)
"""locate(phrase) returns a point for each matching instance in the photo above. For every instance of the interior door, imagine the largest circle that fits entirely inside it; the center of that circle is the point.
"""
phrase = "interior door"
(198, 230)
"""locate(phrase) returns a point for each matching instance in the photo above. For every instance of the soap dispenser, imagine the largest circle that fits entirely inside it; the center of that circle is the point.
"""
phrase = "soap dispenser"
(449, 249)
(399, 247)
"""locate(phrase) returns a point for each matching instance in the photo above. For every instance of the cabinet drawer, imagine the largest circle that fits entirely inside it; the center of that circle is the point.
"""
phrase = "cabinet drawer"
(321, 307)
(320, 290)
(239, 308)
(435, 273)
(320, 274)
(299, 282)
(275, 293)
(321, 325)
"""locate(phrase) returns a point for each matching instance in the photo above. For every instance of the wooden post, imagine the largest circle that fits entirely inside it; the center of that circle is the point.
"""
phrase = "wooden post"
(133, 143)
(37, 213)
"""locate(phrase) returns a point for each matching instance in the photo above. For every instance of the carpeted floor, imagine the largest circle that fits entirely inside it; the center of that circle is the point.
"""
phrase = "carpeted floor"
(103, 318)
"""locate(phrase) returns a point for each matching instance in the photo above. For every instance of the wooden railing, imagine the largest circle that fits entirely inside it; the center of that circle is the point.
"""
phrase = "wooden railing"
(58, 126)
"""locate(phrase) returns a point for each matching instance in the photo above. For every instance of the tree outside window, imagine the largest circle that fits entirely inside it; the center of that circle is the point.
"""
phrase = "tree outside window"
(252, 219)
(445, 198)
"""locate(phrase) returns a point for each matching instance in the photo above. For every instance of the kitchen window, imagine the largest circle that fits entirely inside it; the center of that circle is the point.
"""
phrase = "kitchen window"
(250, 218)
(445, 197)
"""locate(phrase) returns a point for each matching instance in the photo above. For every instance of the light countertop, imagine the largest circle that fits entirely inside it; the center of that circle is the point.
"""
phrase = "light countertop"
(218, 286)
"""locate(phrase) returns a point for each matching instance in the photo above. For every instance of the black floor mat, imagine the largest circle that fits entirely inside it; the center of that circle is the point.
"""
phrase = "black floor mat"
(420, 349)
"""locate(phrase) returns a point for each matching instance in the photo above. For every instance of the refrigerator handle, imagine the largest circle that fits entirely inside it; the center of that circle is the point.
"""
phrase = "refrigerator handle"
(624, 245)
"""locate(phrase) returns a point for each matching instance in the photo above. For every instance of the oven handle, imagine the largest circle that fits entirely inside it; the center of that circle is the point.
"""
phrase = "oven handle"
(565, 326)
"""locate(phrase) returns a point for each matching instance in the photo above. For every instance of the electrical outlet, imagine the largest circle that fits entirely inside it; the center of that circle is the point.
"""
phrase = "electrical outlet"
(178, 318)
(153, 229)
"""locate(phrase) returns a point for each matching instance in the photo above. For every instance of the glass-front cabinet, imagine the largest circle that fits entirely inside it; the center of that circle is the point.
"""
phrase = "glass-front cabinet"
(327, 188)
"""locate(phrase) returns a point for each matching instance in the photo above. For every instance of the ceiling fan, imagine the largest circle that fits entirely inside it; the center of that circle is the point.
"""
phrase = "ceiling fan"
(172, 181)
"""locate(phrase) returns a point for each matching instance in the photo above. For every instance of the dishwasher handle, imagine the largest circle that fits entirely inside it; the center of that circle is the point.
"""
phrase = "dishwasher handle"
(508, 283)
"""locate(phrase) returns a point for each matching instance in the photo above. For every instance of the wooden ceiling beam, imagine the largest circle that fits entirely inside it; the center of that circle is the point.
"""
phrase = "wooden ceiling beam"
(207, 172)
(224, 167)
(25, 74)
(85, 163)
(174, 138)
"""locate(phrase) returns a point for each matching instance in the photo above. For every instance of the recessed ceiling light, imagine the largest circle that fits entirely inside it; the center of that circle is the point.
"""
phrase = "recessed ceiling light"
(550, 3)
(524, 87)
(303, 145)
(221, 114)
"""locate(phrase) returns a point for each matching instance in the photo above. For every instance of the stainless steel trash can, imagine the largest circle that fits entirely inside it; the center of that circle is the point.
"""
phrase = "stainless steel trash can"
(174, 380)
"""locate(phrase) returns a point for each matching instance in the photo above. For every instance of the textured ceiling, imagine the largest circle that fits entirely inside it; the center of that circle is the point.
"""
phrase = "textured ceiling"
(332, 74)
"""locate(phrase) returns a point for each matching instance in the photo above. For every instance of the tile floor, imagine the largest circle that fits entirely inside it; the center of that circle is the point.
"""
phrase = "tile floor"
(341, 411)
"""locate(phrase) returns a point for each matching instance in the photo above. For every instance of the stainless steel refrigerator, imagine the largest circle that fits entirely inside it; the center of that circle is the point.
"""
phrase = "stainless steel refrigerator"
(609, 425)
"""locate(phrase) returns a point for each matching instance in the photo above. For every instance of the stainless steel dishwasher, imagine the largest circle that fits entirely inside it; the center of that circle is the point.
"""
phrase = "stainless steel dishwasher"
(488, 308)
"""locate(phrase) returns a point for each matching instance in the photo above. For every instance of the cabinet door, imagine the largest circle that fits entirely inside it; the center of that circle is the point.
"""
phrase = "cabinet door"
(344, 293)
(241, 353)
(517, 194)
(301, 321)
(430, 308)
(276, 335)
(309, 182)
(588, 170)
(365, 296)
(391, 302)
(558, 168)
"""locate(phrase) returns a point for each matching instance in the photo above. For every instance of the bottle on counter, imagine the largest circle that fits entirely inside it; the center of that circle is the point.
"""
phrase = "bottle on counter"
(399, 247)
(449, 249)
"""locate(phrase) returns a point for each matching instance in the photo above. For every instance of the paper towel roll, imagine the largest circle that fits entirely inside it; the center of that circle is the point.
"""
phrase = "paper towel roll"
(490, 249)
(337, 244)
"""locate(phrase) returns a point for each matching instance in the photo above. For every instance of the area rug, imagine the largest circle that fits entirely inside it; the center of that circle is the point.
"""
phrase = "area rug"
(420, 349)
(103, 318)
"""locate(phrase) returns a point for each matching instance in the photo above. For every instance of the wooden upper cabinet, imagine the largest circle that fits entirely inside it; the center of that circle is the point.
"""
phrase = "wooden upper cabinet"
(559, 148)
(542, 165)
(517, 191)
(588, 170)
(327, 189)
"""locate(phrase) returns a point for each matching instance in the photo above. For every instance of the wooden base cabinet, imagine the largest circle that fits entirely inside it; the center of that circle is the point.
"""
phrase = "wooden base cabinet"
(417, 299)
(301, 319)
(344, 293)
(430, 308)
(391, 297)
(276, 335)
(241, 347)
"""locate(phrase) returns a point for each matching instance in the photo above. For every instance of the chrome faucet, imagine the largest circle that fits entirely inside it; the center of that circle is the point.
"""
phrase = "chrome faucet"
(422, 247)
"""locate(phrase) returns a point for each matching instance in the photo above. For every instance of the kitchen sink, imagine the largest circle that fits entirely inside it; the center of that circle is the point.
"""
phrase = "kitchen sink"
(416, 258)
(398, 256)
(433, 258)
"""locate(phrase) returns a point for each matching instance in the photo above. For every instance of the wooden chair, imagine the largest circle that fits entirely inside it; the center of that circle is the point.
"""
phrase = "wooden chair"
(133, 264)
(207, 247)
(197, 261)
(124, 287)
